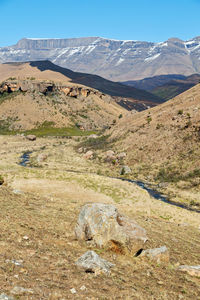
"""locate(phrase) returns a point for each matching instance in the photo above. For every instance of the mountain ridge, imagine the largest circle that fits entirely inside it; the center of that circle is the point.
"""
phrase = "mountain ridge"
(112, 59)
(92, 81)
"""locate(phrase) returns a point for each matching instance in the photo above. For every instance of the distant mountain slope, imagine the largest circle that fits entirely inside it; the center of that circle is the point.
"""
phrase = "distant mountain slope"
(150, 83)
(111, 59)
(166, 86)
(176, 87)
(163, 143)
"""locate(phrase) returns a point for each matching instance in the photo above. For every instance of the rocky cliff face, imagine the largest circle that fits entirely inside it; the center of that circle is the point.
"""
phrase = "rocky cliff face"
(10, 86)
(112, 59)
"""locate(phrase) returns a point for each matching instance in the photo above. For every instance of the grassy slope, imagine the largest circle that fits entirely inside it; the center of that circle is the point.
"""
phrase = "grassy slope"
(163, 145)
(52, 193)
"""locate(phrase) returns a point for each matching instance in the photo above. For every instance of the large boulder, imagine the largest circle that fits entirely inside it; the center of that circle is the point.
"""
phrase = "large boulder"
(104, 226)
(92, 262)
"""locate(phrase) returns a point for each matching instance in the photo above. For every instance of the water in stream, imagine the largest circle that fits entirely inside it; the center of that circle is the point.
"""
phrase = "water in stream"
(25, 160)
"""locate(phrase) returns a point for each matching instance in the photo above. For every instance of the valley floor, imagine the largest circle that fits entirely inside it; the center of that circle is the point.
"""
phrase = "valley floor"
(39, 206)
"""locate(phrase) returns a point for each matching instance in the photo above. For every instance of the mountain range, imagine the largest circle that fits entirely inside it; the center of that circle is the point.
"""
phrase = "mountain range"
(112, 59)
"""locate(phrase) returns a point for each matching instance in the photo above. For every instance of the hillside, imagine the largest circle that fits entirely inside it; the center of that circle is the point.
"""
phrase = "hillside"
(166, 86)
(30, 98)
(163, 144)
(50, 71)
(115, 60)
(151, 83)
(176, 86)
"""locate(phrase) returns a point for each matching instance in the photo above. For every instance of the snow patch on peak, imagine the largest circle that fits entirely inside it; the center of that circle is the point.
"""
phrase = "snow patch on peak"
(152, 57)
(119, 61)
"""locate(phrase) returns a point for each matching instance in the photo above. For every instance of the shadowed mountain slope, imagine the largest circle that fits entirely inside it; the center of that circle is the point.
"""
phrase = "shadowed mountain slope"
(166, 86)
(97, 82)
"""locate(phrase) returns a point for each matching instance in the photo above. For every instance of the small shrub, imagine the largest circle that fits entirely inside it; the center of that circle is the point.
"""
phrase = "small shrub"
(149, 119)
(120, 116)
(180, 112)
(159, 125)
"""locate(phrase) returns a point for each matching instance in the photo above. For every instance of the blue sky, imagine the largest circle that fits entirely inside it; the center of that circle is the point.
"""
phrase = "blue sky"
(149, 20)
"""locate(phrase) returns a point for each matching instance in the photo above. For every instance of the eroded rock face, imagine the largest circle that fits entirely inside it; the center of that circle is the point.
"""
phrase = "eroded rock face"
(157, 254)
(92, 262)
(103, 225)
(191, 270)
(10, 86)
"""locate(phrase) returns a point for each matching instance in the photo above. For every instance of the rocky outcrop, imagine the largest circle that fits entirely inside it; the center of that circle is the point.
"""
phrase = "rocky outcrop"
(91, 262)
(105, 227)
(10, 86)
(32, 85)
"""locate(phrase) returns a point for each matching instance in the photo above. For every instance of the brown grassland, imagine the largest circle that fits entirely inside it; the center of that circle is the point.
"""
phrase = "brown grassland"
(39, 206)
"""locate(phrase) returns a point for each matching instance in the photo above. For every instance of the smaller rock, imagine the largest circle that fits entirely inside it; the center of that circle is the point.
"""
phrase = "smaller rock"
(73, 291)
(15, 262)
(93, 136)
(19, 291)
(110, 156)
(80, 150)
(41, 157)
(125, 170)
(158, 254)
(31, 137)
(6, 297)
(163, 185)
(110, 153)
(191, 270)
(121, 155)
(26, 238)
(17, 192)
(88, 155)
(83, 288)
(92, 262)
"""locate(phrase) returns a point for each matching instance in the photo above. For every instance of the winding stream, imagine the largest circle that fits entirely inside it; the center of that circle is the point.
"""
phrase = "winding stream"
(25, 160)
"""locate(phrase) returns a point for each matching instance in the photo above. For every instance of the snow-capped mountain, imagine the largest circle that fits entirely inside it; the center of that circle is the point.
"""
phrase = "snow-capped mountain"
(113, 59)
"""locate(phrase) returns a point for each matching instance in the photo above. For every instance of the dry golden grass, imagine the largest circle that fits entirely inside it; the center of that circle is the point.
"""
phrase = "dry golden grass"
(47, 210)
(163, 144)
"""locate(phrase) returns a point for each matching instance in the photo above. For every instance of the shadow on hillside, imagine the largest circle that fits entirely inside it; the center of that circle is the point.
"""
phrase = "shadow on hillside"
(94, 81)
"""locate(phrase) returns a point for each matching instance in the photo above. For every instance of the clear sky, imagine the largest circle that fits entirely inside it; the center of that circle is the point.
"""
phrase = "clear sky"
(147, 20)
